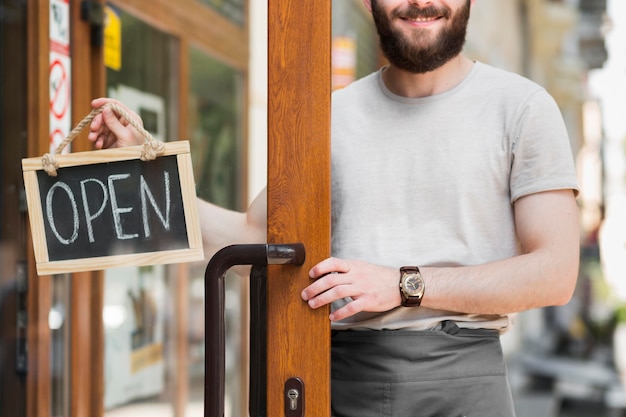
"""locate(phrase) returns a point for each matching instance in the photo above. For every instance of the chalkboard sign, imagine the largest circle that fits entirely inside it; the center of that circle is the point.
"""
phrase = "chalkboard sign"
(108, 208)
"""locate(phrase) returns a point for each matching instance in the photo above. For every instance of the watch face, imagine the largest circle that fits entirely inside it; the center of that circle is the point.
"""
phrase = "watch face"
(413, 285)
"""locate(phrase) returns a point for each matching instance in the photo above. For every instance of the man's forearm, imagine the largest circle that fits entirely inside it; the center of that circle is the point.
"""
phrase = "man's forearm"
(511, 285)
(222, 227)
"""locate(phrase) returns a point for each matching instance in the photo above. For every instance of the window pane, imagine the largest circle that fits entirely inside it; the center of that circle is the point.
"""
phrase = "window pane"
(232, 9)
(215, 107)
(144, 82)
(215, 120)
(138, 313)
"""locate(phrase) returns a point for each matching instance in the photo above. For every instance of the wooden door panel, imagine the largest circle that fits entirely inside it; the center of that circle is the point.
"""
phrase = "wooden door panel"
(298, 196)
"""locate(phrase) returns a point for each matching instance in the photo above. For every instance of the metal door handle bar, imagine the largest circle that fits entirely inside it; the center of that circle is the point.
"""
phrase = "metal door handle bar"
(257, 377)
(220, 263)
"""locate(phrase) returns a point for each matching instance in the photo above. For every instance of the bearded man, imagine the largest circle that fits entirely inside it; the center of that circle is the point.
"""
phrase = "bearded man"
(456, 179)
(453, 208)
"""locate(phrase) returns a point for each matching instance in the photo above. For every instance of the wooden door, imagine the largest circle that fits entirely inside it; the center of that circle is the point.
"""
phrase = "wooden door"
(298, 197)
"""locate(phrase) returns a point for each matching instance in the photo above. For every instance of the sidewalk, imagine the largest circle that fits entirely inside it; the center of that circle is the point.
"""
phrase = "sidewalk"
(565, 387)
(545, 405)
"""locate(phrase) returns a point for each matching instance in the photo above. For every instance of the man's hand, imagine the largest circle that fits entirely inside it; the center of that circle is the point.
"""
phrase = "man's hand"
(373, 288)
(109, 130)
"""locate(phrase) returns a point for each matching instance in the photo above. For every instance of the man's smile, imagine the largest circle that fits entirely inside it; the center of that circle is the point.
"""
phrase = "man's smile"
(421, 19)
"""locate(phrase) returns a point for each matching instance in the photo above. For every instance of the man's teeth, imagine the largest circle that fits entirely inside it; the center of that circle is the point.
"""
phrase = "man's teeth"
(423, 19)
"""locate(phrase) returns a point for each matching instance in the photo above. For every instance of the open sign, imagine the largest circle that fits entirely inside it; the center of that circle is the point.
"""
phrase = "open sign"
(108, 208)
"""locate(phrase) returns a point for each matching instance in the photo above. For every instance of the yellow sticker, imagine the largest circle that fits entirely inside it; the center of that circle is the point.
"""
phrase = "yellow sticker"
(112, 39)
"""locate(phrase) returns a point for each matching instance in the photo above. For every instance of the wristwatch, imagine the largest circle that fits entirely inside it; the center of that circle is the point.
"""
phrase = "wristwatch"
(411, 286)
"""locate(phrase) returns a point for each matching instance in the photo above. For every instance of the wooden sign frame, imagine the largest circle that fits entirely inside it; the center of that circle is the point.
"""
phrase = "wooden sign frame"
(46, 266)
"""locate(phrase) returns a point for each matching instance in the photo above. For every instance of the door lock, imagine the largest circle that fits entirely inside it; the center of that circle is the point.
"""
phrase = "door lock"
(294, 398)
(293, 395)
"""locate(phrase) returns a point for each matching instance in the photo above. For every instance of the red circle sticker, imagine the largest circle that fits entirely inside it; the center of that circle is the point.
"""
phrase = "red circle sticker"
(59, 89)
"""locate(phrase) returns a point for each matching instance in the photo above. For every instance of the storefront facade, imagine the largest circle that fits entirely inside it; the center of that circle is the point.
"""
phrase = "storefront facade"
(95, 343)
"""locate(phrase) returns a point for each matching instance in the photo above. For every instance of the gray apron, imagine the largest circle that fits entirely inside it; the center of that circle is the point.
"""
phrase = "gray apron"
(449, 372)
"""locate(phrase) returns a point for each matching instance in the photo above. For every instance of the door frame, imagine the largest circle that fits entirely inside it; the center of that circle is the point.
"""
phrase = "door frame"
(86, 334)
(38, 387)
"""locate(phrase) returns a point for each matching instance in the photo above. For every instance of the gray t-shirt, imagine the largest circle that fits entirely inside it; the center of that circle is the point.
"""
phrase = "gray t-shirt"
(432, 181)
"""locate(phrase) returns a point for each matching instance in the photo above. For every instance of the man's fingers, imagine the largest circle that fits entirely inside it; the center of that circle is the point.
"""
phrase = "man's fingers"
(113, 123)
(108, 140)
(328, 266)
(96, 123)
(99, 102)
(346, 311)
(327, 289)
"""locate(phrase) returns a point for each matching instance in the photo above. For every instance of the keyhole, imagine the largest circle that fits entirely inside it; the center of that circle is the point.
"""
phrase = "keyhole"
(293, 395)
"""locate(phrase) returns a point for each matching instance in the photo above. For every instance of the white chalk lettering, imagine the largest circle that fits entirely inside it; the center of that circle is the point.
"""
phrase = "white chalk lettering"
(117, 211)
(146, 193)
(50, 214)
(89, 217)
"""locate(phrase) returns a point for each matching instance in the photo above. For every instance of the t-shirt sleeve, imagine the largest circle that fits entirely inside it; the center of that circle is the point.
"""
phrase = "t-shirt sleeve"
(542, 154)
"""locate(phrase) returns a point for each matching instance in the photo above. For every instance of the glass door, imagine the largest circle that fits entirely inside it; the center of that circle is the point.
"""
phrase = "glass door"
(216, 119)
(183, 87)
(137, 308)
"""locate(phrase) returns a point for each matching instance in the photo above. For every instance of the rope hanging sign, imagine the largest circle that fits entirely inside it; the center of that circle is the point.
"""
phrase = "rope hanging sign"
(114, 207)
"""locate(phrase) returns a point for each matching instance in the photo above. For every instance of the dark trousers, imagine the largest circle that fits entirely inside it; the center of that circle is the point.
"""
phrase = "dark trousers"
(450, 372)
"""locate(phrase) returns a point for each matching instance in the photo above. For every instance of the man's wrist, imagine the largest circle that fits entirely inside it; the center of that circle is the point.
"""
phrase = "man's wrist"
(412, 286)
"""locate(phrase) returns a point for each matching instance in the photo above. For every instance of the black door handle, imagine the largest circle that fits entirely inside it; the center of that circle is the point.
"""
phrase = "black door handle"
(214, 369)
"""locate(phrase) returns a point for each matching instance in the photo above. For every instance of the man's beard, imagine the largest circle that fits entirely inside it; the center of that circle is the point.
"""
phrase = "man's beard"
(408, 53)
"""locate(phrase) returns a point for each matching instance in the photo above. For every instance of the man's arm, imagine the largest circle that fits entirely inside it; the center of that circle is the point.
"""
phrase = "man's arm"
(543, 274)
(221, 227)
